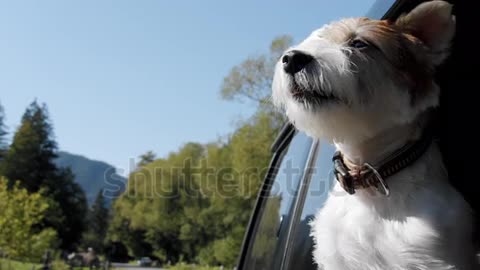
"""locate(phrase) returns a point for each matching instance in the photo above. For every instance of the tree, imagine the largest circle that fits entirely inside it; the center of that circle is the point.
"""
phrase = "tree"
(69, 215)
(195, 204)
(21, 213)
(3, 133)
(146, 158)
(97, 224)
(30, 158)
(30, 161)
(251, 80)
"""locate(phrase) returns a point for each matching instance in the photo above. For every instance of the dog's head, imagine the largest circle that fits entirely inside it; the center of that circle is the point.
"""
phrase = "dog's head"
(354, 78)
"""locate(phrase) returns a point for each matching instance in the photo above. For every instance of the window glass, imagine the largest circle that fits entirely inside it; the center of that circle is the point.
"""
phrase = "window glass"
(321, 182)
(270, 233)
(379, 8)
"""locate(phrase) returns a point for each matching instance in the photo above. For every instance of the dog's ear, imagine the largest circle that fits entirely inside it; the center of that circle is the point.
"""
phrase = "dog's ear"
(432, 23)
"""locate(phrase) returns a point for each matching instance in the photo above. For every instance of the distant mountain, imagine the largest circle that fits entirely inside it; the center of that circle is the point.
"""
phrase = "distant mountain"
(93, 175)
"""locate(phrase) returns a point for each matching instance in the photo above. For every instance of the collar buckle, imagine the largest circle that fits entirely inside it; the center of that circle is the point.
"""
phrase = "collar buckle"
(342, 174)
(370, 177)
(366, 175)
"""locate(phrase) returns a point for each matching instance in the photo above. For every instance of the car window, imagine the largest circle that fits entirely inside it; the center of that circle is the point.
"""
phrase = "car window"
(319, 186)
(380, 8)
(270, 232)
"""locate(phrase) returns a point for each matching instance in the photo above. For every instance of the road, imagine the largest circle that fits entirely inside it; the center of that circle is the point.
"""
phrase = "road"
(126, 266)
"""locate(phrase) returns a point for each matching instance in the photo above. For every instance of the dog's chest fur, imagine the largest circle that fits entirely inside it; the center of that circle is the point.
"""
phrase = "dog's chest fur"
(423, 224)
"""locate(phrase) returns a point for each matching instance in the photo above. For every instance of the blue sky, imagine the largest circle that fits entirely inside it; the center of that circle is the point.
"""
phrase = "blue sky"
(121, 77)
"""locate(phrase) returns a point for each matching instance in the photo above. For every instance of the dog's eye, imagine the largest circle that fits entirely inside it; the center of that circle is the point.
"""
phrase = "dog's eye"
(358, 44)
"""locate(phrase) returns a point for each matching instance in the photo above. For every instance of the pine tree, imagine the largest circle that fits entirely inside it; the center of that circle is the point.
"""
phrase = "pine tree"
(69, 217)
(30, 160)
(3, 133)
(98, 217)
(146, 158)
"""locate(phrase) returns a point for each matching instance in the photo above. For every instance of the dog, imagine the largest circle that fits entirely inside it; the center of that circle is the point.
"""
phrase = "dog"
(368, 87)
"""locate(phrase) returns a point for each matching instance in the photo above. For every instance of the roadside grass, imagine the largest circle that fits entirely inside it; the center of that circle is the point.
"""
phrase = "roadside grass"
(16, 265)
(183, 266)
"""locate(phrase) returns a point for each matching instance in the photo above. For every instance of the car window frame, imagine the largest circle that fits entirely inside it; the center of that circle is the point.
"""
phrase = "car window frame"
(279, 148)
(300, 201)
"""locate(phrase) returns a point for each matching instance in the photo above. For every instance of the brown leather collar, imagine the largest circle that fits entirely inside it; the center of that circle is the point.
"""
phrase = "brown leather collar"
(354, 177)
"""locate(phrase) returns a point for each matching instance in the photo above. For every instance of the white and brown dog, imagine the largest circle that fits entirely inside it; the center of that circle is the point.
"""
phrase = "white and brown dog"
(367, 86)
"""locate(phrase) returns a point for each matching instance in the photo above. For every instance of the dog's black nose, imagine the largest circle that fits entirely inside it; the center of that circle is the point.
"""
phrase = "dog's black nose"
(294, 61)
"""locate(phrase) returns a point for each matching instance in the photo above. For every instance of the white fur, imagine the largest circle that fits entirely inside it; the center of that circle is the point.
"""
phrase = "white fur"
(425, 223)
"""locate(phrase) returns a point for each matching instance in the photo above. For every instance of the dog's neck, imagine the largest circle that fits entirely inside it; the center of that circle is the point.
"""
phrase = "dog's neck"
(377, 148)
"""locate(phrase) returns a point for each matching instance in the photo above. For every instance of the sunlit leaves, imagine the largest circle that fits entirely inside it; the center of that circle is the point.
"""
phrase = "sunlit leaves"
(20, 212)
(194, 205)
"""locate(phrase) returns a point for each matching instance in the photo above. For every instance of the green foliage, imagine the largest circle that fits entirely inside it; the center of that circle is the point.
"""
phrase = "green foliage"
(21, 213)
(16, 265)
(68, 219)
(251, 80)
(59, 265)
(184, 266)
(30, 160)
(194, 205)
(97, 220)
(30, 156)
(146, 158)
(3, 133)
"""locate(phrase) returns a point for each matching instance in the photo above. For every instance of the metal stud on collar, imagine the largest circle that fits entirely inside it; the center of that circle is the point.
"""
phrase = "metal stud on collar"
(382, 188)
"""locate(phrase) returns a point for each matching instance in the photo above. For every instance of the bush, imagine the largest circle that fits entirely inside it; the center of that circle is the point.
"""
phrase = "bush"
(6, 264)
(59, 265)
(20, 214)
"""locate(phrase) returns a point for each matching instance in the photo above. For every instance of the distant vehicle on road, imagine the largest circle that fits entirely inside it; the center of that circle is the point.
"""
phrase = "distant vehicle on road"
(145, 261)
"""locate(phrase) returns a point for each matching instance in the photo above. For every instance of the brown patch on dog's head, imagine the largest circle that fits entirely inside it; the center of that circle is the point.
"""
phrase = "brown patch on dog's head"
(411, 47)
(405, 55)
